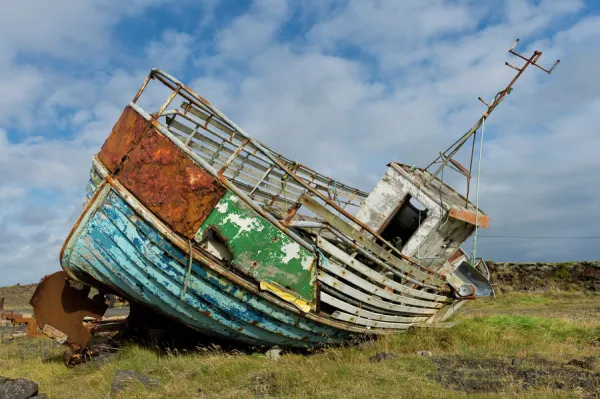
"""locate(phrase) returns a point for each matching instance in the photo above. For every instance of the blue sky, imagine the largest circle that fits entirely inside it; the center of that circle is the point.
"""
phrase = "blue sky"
(343, 86)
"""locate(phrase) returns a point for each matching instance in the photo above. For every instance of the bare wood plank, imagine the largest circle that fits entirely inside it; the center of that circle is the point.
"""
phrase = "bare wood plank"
(335, 269)
(369, 323)
(373, 301)
(375, 276)
(335, 302)
(362, 239)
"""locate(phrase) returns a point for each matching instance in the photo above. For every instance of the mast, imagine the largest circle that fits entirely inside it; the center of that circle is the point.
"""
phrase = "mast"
(447, 156)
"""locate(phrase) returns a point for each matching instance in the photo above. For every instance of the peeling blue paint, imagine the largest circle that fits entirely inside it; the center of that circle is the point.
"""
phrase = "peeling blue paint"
(119, 249)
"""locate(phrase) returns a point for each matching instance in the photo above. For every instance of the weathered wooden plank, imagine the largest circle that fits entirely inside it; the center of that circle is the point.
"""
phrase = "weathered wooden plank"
(362, 239)
(473, 218)
(363, 297)
(335, 269)
(369, 323)
(346, 307)
(375, 276)
(260, 249)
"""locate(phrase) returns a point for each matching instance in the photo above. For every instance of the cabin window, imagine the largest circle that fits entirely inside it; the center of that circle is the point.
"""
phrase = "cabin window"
(405, 222)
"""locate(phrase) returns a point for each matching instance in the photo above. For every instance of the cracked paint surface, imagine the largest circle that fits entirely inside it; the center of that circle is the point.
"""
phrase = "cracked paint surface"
(260, 249)
(159, 174)
(119, 249)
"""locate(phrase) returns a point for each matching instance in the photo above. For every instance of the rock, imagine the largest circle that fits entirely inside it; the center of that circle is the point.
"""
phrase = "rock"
(425, 353)
(40, 396)
(17, 389)
(274, 353)
(124, 378)
(379, 356)
(516, 361)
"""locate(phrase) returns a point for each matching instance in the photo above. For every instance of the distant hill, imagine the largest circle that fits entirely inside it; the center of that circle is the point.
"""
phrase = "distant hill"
(540, 276)
(17, 296)
(544, 276)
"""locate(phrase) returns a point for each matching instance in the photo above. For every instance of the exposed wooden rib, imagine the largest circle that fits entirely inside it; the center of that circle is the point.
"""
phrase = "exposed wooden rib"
(304, 172)
(247, 170)
(361, 296)
(221, 157)
(369, 323)
(362, 239)
(375, 276)
(334, 268)
(333, 301)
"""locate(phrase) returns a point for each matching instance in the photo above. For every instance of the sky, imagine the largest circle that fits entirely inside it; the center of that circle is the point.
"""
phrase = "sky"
(342, 86)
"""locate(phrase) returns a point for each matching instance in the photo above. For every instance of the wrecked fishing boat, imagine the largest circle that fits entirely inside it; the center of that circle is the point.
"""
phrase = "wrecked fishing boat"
(188, 215)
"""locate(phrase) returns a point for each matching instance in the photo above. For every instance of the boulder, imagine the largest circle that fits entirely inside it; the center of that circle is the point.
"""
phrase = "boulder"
(19, 388)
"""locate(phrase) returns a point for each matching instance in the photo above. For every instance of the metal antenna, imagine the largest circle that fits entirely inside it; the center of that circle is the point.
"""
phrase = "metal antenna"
(448, 155)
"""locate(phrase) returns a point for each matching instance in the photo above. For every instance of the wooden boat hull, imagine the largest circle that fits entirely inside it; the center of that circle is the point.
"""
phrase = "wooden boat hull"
(189, 216)
(115, 246)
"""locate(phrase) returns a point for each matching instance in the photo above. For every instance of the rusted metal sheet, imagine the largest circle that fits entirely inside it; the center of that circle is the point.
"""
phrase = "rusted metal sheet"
(126, 133)
(470, 217)
(59, 310)
(168, 182)
(13, 322)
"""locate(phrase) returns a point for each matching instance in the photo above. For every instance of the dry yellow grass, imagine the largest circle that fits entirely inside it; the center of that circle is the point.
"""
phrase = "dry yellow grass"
(479, 350)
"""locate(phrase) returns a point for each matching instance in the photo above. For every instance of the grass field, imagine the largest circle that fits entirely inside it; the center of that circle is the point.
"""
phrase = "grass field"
(518, 345)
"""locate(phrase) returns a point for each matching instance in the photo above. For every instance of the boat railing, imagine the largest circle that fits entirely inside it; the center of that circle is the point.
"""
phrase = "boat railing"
(277, 186)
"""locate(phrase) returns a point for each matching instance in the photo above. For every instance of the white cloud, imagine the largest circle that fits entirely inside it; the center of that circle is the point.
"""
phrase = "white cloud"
(44, 174)
(348, 118)
(363, 84)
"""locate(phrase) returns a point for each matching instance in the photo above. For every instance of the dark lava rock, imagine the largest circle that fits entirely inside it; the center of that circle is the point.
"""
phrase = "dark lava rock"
(379, 356)
(17, 389)
(124, 378)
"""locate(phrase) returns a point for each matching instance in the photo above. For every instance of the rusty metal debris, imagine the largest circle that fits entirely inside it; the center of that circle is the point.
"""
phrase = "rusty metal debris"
(60, 308)
(14, 324)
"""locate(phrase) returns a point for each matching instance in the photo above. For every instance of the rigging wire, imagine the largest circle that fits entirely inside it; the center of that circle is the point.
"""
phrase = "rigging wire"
(477, 192)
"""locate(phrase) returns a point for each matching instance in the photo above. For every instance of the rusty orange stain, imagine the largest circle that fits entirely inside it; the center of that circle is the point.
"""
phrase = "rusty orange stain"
(127, 131)
(159, 174)
(470, 217)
